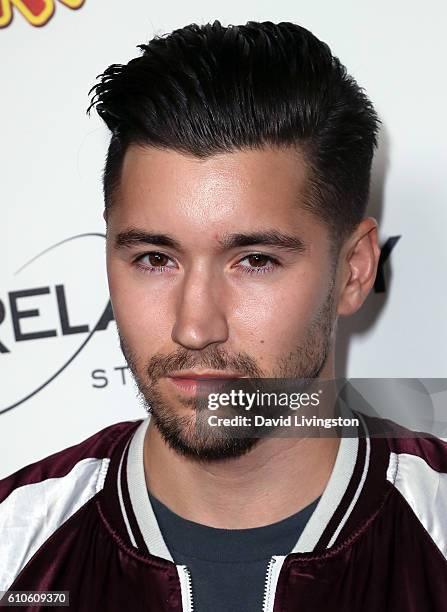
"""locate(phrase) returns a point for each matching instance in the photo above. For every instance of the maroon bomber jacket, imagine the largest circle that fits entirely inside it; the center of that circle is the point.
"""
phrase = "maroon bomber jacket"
(81, 521)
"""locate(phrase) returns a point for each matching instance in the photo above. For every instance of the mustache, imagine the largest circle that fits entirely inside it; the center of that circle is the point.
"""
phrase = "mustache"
(213, 358)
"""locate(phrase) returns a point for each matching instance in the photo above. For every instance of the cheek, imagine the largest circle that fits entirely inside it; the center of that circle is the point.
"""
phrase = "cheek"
(141, 316)
(278, 319)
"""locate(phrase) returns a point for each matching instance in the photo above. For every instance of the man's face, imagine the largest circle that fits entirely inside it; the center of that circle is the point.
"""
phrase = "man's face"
(215, 268)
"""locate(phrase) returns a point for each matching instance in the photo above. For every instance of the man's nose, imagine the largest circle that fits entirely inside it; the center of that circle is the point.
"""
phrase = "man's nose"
(200, 317)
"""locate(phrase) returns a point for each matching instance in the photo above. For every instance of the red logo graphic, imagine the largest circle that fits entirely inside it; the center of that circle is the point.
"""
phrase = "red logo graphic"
(37, 12)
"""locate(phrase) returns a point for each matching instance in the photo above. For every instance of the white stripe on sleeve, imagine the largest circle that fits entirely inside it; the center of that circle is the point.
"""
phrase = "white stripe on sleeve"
(32, 513)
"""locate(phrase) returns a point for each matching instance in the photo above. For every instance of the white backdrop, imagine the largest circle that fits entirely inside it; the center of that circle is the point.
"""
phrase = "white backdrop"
(57, 390)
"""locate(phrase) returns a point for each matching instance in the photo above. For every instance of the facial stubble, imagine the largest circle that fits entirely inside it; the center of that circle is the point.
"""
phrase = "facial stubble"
(180, 431)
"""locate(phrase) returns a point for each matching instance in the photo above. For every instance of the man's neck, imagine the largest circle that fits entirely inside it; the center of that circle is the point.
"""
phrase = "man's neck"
(277, 478)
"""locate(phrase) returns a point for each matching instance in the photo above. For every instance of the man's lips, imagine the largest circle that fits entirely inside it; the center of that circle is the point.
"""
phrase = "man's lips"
(204, 375)
(200, 382)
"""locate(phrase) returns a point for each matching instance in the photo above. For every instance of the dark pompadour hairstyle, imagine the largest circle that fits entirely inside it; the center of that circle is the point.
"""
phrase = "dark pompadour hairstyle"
(210, 89)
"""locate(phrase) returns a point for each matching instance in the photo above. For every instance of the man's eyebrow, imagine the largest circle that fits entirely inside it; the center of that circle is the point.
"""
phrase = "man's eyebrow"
(135, 237)
(272, 238)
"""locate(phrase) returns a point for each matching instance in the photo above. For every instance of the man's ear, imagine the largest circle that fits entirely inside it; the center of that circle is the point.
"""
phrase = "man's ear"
(104, 215)
(358, 264)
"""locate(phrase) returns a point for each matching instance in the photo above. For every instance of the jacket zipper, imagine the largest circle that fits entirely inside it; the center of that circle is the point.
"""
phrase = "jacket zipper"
(190, 603)
(267, 584)
(271, 580)
(267, 605)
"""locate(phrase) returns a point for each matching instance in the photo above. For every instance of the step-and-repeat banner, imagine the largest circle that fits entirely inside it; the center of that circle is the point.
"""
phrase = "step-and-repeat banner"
(62, 374)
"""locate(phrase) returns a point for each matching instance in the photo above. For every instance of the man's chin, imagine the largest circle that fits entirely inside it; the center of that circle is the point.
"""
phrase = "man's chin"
(185, 438)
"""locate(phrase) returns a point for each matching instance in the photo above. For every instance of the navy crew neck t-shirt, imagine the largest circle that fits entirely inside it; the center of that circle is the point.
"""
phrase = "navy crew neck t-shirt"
(228, 566)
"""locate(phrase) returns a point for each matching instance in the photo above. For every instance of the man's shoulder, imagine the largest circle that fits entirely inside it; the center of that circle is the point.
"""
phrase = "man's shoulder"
(94, 450)
(417, 467)
(401, 442)
(417, 471)
(412, 465)
(41, 497)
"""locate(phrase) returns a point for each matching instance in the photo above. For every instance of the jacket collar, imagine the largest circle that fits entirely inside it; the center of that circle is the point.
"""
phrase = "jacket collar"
(354, 491)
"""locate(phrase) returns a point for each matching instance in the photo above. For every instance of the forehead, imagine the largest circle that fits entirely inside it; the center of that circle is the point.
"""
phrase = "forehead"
(232, 191)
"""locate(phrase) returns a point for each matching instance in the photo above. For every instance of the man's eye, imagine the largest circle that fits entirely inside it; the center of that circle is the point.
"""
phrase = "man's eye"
(257, 260)
(154, 261)
(258, 263)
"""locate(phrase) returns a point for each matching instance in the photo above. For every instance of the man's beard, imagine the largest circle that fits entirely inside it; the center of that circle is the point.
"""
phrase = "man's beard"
(181, 432)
